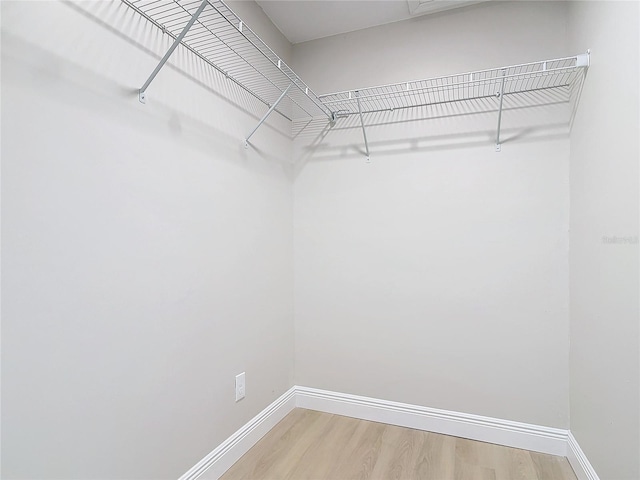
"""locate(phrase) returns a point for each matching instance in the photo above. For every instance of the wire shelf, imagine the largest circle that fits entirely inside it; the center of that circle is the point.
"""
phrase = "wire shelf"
(559, 78)
(213, 32)
(220, 38)
(563, 75)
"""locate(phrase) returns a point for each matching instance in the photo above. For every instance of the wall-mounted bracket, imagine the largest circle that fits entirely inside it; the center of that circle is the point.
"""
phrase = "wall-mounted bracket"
(141, 93)
(553, 80)
(333, 118)
(271, 109)
(584, 59)
(501, 96)
(364, 131)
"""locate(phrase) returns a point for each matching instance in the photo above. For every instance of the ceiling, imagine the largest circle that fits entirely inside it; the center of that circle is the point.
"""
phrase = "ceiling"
(303, 20)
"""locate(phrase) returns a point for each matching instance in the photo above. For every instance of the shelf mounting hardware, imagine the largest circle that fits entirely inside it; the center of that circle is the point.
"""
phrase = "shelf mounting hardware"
(583, 60)
(222, 40)
(501, 95)
(364, 131)
(548, 81)
(142, 92)
(271, 109)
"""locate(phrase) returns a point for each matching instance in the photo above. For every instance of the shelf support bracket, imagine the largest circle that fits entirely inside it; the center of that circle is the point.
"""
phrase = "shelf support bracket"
(271, 109)
(501, 94)
(364, 131)
(142, 92)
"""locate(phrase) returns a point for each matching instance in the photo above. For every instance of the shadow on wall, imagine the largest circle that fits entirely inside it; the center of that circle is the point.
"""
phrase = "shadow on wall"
(531, 116)
(468, 123)
(179, 108)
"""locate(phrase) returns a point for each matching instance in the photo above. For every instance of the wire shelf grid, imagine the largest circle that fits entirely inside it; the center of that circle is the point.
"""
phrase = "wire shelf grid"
(562, 75)
(213, 32)
(221, 38)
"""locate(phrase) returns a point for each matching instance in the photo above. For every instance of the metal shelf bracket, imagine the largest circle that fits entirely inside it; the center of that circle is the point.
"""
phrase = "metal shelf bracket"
(141, 93)
(584, 59)
(549, 81)
(501, 96)
(364, 131)
(222, 40)
(264, 117)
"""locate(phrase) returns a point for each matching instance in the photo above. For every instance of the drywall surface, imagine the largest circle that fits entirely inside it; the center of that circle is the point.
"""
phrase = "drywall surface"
(437, 274)
(605, 353)
(146, 255)
(472, 38)
(252, 14)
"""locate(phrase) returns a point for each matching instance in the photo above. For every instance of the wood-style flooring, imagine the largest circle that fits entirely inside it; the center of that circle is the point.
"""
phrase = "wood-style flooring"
(312, 445)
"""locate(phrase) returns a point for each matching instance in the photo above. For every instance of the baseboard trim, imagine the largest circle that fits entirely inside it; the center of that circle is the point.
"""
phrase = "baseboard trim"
(486, 429)
(475, 427)
(228, 452)
(578, 460)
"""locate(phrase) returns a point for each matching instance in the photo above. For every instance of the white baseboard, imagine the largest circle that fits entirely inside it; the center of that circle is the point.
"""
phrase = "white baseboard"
(578, 461)
(486, 429)
(228, 452)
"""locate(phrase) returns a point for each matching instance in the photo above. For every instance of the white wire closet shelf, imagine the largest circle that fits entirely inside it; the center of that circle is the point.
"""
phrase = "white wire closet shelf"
(562, 76)
(529, 77)
(215, 34)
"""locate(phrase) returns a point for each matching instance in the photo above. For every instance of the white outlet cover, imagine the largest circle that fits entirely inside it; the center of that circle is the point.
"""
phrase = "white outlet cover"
(240, 386)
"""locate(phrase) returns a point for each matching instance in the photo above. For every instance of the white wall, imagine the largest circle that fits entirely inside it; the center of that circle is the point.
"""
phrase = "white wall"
(146, 255)
(437, 274)
(605, 332)
(253, 15)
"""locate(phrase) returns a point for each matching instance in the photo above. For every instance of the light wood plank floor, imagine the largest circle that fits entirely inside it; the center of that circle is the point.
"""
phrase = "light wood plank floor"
(312, 445)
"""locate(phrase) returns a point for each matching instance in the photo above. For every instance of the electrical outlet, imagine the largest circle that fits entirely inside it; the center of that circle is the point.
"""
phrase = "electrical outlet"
(240, 386)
